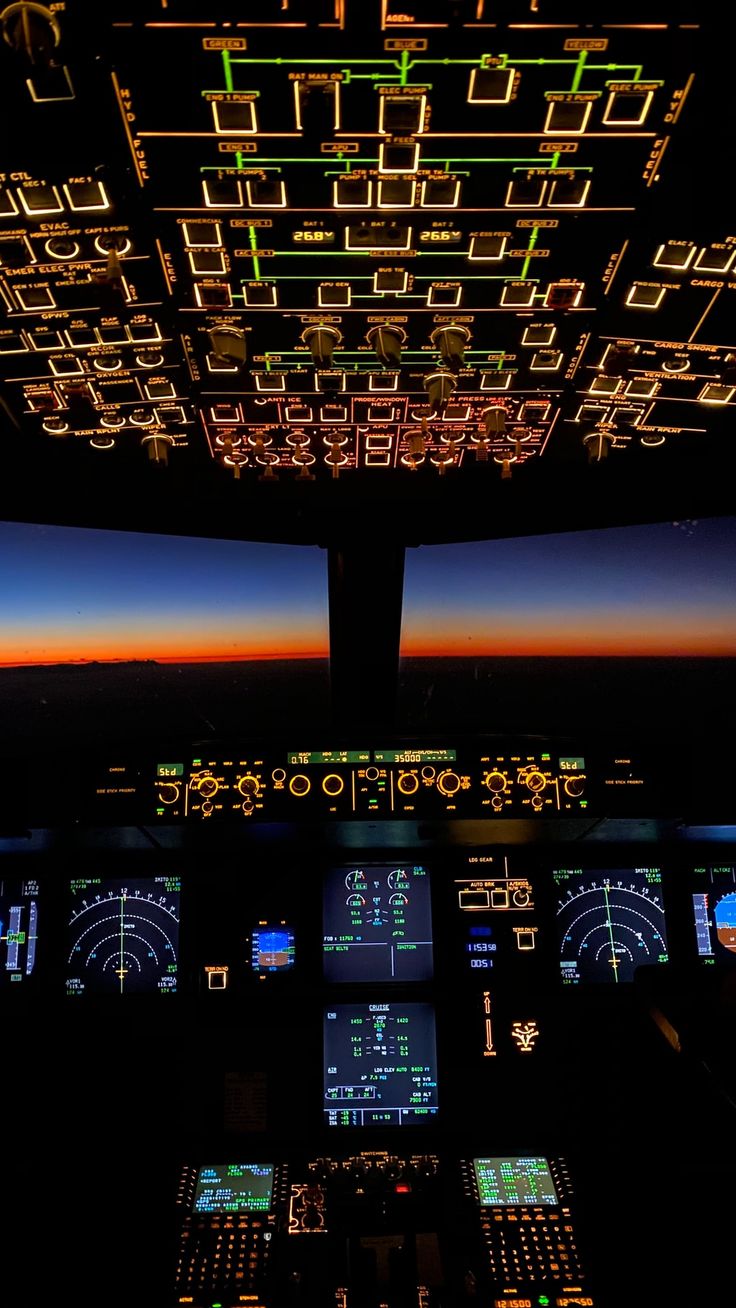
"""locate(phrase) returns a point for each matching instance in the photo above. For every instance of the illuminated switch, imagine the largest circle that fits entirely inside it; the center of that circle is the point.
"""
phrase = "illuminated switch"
(645, 295)
(524, 938)
(15, 253)
(525, 192)
(40, 200)
(642, 388)
(398, 156)
(490, 85)
(440, 193)
(162, 389)
(383, 381)
(68, 367)
(8, 207)
(677, 255)
(568, 117)
(12, 343)
(207, 263)
(518, 295)
(260, 295)
(222, 193)
(201, 234)
(142, 332)
(333, 413)
(569, 192)
(330, 380)
(227, 413)
(627, 108)
(444, 295)
(216, 978)
(602, 385)
(266, 193)
(35, 297)
(563, 295)
(86, 196)
(401, 115)
(715, 258)
(626, 415)
(352, 192)
(333, 295)
(546, 361)
(592, 413)
(716, 393)
(299, 413)
(386, 236)
(45, 338)
(498, 380)
(540, 333)
(270, 382)
(233, 117)
(112, 335)
(390, 279)
(487, 247)
(396, 192)
(213, 295)
(535, 411)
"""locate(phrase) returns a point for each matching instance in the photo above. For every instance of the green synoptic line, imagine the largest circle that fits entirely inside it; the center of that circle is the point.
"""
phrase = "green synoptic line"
(610, 932)
(122, 915)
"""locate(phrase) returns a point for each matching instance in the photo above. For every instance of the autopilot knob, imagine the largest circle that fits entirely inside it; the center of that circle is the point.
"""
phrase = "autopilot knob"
(574, 786)
(535, 780)
(322, 341)
(208, 787)
(451, 341)
(448, 783)
(495, 782)
(249, 785)
(168, 792)
(387, 340)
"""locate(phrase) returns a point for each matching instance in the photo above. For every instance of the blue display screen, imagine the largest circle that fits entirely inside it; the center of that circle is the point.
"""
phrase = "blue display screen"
(272, 949)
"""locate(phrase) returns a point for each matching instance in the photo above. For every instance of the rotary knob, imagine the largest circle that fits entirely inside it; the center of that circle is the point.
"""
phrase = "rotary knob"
(249, 785)
(208, 787)
(408, 783)
(300, 785)
(448, 783)
(333, 784)
(535, 780)
(520, 898)
(168, 793)
(574, 786)
(495, 781)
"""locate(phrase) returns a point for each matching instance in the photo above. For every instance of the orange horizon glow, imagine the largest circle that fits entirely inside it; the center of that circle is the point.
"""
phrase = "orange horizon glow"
(76, 661)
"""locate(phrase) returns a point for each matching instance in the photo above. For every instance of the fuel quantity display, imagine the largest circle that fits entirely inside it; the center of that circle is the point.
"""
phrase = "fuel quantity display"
(609, 922)
(123, 936)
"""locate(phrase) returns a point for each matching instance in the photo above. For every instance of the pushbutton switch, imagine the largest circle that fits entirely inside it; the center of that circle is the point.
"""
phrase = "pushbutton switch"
(40, 200)
(84, 196)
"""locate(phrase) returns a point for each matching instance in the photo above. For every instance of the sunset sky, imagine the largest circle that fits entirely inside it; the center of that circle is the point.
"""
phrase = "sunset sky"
(71, 594)
(665, 589)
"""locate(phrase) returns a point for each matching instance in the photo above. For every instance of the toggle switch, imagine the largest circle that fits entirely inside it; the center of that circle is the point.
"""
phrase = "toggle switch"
(387, 340)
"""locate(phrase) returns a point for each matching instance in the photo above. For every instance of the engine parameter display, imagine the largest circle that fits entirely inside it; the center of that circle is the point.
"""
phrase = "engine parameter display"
(377, 923)
(380, 1064)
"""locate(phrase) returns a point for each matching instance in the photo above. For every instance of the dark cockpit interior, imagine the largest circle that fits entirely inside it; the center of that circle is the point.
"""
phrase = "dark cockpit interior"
(367, 654)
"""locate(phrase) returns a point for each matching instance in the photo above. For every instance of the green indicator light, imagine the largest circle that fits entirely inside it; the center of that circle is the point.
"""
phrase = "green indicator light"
(543, 1299)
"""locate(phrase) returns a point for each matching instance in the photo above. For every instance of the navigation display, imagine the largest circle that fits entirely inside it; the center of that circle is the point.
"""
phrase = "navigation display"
(377, 923)
(234, 1188)
(609, 922)
(380, 1064)
(123, 936)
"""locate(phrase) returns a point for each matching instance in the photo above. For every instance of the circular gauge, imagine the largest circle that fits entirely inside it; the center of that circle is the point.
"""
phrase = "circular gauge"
(356, 880)
(123, 936)
(609, 923)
